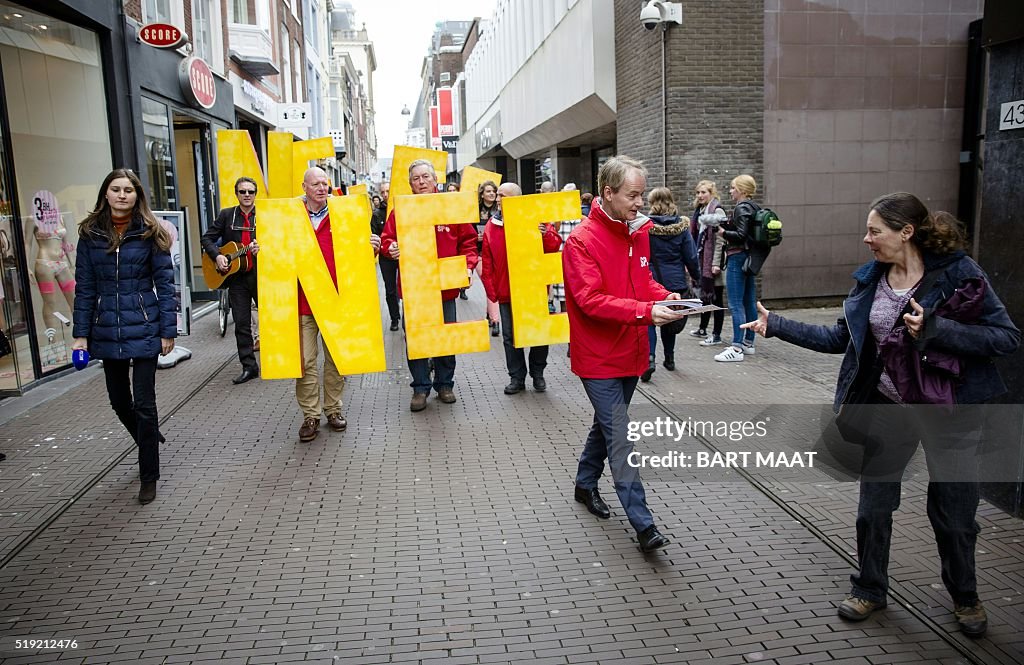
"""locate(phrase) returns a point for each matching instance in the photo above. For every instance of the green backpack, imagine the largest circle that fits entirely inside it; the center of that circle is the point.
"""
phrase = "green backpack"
(766, 231)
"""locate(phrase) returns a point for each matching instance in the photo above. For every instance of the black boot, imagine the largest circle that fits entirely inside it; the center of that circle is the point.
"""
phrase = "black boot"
(670, 363)
(646, 376)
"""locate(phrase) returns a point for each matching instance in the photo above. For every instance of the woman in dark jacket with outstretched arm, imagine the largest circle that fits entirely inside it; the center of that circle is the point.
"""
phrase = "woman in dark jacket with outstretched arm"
(125, 310)
(911, 246)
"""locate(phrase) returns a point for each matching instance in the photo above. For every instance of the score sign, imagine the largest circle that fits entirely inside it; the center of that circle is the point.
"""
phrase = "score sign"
(162, 35)
(1011, 115)
(197, 82)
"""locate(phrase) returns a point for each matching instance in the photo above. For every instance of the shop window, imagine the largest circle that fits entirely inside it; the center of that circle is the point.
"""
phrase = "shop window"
(208, 39)
(164, 11)
(159, 161)
(60, 151)
(249, 12)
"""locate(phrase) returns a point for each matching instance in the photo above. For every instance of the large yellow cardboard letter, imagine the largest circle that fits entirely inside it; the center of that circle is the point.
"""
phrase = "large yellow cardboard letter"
(404, 156)
(348, 317)
(424, 275)
(472, 177)
(236, 157)
(530, 270)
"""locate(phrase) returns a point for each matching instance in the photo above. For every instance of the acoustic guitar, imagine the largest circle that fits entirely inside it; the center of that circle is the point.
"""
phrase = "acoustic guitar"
(239, 258)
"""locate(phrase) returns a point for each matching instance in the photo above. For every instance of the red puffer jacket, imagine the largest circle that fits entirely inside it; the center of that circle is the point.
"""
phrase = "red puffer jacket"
(451, 239)
(495, 259)
(609, 296)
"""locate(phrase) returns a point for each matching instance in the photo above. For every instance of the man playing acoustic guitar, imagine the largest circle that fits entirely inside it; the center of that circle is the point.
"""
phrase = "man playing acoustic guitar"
(235, 227)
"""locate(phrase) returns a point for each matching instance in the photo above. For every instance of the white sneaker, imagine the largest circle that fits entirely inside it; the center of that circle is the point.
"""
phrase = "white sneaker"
(711, 340)
(730, 355)
(748, 349)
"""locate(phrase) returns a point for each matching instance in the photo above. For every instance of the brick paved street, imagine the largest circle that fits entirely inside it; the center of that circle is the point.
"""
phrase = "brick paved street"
(449, 534)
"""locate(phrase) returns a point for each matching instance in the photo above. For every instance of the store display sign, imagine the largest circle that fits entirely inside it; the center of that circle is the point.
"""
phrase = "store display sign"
(174, 222)
(435, 131)
(162, 35)
(446, 113)
(197, 82)
(295, 115)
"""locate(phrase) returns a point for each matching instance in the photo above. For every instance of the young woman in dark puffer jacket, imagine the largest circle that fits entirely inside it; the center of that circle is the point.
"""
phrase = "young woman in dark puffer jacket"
(125, 309)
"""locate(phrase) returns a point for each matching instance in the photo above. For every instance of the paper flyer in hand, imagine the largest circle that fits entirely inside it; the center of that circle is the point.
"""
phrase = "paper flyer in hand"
(689, 305)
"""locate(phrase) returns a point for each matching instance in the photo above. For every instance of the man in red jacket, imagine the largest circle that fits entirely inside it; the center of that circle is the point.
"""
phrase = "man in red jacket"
(495, 279)
(307, 387)
(452, 240)
(610, 296)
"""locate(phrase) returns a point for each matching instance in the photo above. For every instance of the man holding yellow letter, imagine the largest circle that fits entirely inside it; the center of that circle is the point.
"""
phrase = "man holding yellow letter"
(307, 388)
(451, 240)
(495, 279)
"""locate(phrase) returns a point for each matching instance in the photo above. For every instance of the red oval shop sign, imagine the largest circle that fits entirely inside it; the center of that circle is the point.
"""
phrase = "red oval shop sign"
(197, 82)
(162, 35)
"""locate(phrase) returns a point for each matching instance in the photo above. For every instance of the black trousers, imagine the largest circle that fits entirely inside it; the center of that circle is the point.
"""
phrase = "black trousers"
(242, 293)
(515, 359)
(134, 402)
(389, 273)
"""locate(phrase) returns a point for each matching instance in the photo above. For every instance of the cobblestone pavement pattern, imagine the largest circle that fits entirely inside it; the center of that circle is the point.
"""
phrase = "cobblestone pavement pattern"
(448, 535)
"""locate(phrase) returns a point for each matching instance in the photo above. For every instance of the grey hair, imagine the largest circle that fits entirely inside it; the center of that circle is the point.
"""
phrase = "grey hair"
(613, 172)
(422, 162)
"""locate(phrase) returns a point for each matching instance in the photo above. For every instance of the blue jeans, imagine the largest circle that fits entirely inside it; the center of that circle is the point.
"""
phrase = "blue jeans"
(607, 440)
(444, 366)
(948, 446)
(742, 298)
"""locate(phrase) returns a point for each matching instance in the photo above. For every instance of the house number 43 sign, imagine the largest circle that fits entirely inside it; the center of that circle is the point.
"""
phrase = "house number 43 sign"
(1011, 115)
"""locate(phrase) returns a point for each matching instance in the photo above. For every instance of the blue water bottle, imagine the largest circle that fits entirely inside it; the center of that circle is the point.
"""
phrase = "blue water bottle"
(80, 358)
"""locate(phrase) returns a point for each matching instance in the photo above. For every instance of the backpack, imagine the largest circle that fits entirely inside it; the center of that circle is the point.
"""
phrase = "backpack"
(766, 230)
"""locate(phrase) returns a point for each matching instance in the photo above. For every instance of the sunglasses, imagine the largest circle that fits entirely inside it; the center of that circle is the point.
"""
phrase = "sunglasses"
(247, 192)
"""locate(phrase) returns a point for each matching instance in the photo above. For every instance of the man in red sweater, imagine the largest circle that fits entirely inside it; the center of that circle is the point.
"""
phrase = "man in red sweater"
(495, 279)
(452, 240)
(610, 296)
(307, 387)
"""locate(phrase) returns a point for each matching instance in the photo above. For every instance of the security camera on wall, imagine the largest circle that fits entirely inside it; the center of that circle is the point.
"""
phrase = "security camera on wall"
(656, 13)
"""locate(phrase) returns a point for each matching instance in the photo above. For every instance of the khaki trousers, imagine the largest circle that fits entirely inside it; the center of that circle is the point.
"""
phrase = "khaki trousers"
(307, 388)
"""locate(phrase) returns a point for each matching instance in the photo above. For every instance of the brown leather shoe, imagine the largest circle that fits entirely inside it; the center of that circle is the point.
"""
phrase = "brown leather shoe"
(310, 429)
(337, 422)
(446, 395)
(419, 402)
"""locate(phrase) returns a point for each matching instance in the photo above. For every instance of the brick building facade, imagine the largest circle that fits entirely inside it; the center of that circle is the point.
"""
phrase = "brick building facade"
(827, 105)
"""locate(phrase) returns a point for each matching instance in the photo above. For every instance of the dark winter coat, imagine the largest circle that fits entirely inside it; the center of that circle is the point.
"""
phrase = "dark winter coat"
(124, 300)
(976, 343)
(673, 252)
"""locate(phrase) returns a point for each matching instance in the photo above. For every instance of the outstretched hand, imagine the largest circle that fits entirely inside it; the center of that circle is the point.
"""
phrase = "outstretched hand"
(760, 326)
(660, 315)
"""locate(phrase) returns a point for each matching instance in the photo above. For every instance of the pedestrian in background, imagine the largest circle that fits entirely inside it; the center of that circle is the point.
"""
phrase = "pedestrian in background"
(913, 248)
(673, 254)
(611, 297)
(388, 266)
(125, 309)
(704, 225)
(739, 283)
(487, 197)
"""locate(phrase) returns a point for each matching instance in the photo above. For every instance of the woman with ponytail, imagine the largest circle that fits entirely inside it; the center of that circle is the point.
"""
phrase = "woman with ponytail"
(125, 309)
(909, 290)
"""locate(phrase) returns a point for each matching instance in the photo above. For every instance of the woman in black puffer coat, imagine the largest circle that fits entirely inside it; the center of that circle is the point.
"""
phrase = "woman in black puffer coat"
(673, 254)
(125, 309)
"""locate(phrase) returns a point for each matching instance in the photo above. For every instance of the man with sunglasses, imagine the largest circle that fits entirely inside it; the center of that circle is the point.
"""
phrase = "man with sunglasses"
(238, 224)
